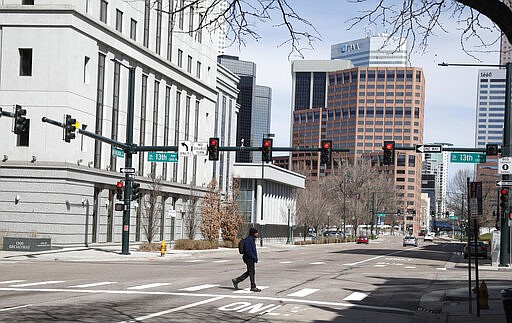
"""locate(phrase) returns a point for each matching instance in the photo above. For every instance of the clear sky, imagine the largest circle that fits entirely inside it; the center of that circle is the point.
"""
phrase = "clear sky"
(450, 91)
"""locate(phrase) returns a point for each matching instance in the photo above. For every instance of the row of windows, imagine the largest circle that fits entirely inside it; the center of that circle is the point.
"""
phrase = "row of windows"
(372, 76)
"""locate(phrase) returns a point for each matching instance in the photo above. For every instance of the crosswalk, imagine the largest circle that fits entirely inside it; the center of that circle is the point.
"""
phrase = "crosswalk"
(154, 286)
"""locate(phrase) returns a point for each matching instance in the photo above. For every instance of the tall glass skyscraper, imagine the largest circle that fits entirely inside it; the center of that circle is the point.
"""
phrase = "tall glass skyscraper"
(490, 107)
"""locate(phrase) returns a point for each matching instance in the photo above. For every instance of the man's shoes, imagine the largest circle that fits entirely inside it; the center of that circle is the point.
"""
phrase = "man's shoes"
(235, 283)
(255, 289)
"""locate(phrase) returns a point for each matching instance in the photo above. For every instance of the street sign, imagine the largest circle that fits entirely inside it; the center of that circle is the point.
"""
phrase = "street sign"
(154, 156)
(454, 217)
(429, 148)
(116, 152)
(505, 165)
(185, 148)
(200, 148)
(470, 158)
(128, 170)
(381, 215)
(504, 183)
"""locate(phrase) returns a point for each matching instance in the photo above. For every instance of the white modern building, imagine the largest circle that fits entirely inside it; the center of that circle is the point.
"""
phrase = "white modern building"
(374, 51)
(490, 107)
(278, 188)
(61, 57)
(437, 164)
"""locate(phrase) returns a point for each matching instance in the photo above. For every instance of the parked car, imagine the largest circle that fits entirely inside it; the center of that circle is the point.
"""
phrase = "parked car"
(332, 234)
(410, 241)
(362, 239)
(481, 249)
(429, 237)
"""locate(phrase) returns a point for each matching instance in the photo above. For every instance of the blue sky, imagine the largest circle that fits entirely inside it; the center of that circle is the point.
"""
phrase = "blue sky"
(450, 91)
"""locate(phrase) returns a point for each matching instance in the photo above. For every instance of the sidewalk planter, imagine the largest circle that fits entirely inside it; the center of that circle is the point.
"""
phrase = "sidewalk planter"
(506, 297)
(26, 244)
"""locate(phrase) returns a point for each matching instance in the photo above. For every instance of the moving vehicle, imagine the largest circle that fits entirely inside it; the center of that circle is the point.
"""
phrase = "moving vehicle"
(428, 237)
(481, 249)
(410, 241)
(362, 239)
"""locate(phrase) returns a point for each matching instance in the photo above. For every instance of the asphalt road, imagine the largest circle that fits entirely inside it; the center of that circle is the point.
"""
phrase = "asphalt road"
(382, 281)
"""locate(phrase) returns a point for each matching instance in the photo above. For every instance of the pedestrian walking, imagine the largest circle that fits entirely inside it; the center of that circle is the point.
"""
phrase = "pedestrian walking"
(250, 258)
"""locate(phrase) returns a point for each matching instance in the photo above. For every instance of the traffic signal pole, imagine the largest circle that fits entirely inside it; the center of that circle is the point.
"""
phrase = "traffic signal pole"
(125, 239)
(505, 152)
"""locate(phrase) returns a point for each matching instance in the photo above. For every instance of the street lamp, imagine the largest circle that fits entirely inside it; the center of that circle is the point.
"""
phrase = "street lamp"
(505, 152)
(265, 135)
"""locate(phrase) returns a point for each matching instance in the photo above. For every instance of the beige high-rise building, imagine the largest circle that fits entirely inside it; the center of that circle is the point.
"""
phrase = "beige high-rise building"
(358, 109)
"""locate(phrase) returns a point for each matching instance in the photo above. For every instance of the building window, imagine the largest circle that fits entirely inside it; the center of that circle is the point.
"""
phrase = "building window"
(181, 14)
(100, 91)
(177, 132)
(158, 26)
(27, 2)
(170, 27)
(25, 61)
(22, 138)
(180, 58)
(103, 11)
(115, 110)
(86, 70)
(142, 137)
(189, 64)
(147, 11)
(119, 20)
(133, 29)
(191, 21)
(154, 139)
(199, 34)
(167, 109)
(198, 69)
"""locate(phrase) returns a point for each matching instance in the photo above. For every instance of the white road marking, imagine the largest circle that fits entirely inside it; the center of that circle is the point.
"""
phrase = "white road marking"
(12, 281)
(39, 283)
(442, 268)
(410, 267)
(148, 286)
(184, 307)
(248, 290)
(92, 285)
(356, 296)
(380, 265)
(377, 257)
(14, 308)
(317, 263)
(236, 297)
(286, 262)
(221, 261)
(194, 260)
(196, 288)
(303, 292)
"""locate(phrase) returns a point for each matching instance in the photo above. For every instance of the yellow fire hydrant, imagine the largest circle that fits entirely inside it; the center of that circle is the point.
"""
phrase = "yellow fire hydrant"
(484, 296)
(163, 247)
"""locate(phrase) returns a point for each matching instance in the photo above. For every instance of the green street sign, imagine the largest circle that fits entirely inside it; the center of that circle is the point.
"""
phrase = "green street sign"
(454, 217)
(116, 152)
(469, 158)
(154, 156)
(381, 215)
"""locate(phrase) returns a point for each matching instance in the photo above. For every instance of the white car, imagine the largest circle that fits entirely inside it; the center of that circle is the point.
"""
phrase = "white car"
(428, 237)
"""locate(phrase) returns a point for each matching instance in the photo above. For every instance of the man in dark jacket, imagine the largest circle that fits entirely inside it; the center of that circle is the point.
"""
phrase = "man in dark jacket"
(250, 257)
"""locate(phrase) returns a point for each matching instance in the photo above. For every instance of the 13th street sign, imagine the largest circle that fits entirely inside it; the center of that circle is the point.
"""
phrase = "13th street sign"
(429, 149)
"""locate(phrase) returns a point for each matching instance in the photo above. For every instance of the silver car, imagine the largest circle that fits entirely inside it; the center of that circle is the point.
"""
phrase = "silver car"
(410, 241)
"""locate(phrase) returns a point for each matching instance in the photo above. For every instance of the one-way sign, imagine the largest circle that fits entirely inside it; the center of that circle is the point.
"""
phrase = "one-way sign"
(504, 183)
(429, 149)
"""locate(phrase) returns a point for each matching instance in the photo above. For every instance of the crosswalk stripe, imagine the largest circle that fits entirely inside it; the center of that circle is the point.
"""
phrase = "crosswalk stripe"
(221, 261)
(248, 290)
(92, 285)
(194, 260)
(12, 281)
(148, 286)
(304, 292)
(356, 296)
(39, 283)
(317, 263)
(285, 262)
(196, 288)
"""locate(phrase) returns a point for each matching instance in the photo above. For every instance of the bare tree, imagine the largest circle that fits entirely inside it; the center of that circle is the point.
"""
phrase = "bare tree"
(231, 218)
(191, 215)
(211, 212)
(312, 207)
(152, 208)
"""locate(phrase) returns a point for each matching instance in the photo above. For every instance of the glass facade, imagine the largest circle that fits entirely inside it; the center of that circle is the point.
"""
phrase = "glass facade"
(302, 90)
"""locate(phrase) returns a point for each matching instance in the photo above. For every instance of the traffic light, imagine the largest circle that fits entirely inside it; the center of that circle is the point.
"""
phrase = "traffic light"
(491, 150)
(69, 128)
(136, 191)
(20, 122)
(504, 199)
(389, 153)
(213, 149)
(119, 190)
(266, 149)
(325, 152)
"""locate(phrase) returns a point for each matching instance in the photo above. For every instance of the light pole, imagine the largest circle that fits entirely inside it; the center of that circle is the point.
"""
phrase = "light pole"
(505, 152)
(265, 135)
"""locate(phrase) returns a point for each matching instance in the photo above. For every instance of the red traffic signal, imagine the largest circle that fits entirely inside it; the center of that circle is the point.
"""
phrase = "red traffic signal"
(213, 148)
(389, 153)
(266, 150)
(504, 199)
(504, 191)
(119, 190)
(325, 152)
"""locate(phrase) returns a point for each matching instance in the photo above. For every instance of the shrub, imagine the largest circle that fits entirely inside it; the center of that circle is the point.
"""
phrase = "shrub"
(231, 244)
(149, 246)
(485, 237)
(187, 244)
